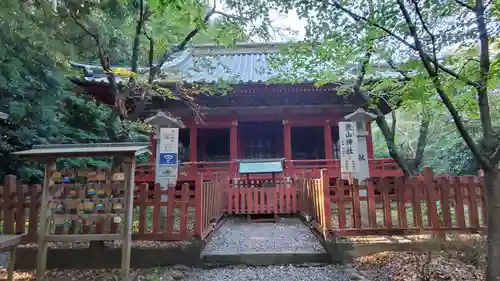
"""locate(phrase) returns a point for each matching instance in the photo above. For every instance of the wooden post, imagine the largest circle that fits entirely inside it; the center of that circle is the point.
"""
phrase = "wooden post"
(326, 200)
(153, 141)
(129, 168)
(12, 261)
(10, 184)
(43, 230)
(287, 140)
(193, 142)
(328, 140)
(233, 145)
(198, 223)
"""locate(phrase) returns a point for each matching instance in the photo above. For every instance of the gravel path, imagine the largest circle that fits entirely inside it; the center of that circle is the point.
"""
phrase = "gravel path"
(273, 273)
(290, 235)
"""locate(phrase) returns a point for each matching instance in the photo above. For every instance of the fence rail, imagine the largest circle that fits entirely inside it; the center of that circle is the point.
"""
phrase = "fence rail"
(384, 206)
(280, 198)
(166, 214)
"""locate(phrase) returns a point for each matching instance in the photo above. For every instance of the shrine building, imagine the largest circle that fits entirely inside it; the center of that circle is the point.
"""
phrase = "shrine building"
(257, 128)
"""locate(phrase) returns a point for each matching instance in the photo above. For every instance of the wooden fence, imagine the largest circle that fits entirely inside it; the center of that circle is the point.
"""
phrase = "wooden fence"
(389, 206)
(280, 198)
(211, 200)
(155, 217)
(398, 205)
(314, 201)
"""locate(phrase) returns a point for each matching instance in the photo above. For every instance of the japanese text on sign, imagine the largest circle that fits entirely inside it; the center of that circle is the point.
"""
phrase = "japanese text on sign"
(348, 140)
(167, 157)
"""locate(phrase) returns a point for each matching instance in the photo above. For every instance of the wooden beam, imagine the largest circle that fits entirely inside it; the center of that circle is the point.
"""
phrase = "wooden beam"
(287, 140)
(328, 140)
(82, 237)
(129, 169)
(43, 228)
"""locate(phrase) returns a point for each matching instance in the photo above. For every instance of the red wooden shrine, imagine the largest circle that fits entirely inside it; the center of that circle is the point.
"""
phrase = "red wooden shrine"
(256, 120)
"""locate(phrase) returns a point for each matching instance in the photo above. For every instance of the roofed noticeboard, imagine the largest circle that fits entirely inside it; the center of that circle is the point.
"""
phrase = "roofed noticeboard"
(348, 140)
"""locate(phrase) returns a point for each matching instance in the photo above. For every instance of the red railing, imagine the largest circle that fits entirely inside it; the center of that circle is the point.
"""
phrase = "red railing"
(384, 167)
(188, 212)
(210, 201)
(399, 206)
(280, 198)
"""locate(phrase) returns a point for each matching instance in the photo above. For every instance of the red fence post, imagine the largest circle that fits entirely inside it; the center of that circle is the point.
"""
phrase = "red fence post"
(199, 205)
(10, 183)
(326, 199)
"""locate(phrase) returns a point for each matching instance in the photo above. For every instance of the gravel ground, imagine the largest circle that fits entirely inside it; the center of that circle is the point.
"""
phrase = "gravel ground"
(288, 236)
(184, 273)
(273, 273)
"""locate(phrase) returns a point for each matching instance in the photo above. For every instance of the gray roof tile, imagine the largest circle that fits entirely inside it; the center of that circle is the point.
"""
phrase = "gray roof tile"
(246, 63)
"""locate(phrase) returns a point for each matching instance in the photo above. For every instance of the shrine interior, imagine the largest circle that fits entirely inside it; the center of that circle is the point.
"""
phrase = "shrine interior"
(258, 140)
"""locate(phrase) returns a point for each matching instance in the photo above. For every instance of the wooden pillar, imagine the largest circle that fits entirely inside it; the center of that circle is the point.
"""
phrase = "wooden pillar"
(328, 140)
(287, 140)
(369, 141)
(193, 142)
(233, 144)
(153, 140)
(129, 169)
(44, 227)
(233, 140)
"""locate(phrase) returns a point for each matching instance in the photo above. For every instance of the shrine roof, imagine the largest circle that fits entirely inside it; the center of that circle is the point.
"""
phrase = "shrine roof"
(85, 150)
(246, 63)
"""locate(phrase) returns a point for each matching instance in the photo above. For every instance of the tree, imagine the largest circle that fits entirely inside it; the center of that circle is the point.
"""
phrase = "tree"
(35, 92)
(449, 40)
(156, 33)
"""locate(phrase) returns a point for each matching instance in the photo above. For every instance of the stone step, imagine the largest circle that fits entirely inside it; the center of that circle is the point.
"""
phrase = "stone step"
(264, 258)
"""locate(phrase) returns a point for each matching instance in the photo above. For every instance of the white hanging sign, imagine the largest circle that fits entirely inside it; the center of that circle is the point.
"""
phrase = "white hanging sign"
(348, 140)
(167, 158)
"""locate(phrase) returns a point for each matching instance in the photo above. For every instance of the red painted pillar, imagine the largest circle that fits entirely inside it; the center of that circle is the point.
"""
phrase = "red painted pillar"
(328, 140)
(287, 140)
(369, 141)
(153, 140)
(233, 145)
(193, 142)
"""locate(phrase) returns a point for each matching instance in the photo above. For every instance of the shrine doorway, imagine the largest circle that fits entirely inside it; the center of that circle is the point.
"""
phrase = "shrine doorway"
(260, 140)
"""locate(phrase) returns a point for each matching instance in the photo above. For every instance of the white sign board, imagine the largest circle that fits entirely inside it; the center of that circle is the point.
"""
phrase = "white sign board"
(348, 140)
(167, 158)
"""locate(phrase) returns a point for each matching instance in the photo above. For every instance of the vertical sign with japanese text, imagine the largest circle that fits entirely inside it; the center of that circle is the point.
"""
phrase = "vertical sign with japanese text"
(348, 140)
(167, 159)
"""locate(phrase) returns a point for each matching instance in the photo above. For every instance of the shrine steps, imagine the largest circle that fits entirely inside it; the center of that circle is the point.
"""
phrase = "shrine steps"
(239, 241)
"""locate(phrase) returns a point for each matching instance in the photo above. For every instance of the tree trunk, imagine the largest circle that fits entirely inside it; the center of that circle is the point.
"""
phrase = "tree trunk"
(491, 184)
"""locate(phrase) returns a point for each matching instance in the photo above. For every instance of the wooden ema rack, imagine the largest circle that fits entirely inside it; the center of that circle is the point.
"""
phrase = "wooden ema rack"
(81, 205)
(85, 206)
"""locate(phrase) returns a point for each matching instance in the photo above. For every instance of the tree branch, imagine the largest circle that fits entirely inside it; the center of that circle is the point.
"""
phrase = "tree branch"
(182, 45)
(137, 37)
(150, 56)
(489, 140)
(426, 28)
(405, 75)
(465, 5)
(422, 139)
(403, 41)
(439, 89)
